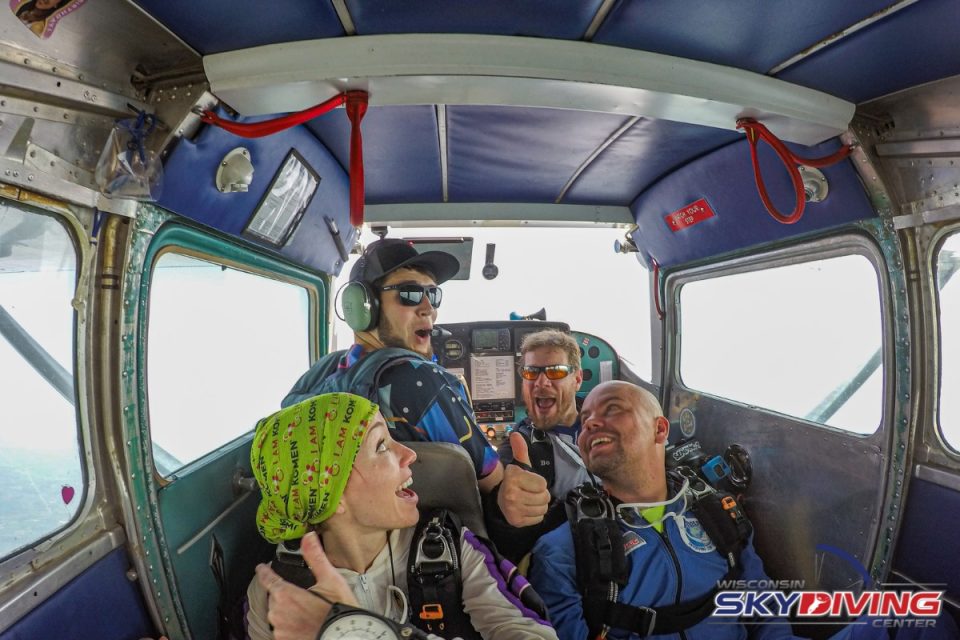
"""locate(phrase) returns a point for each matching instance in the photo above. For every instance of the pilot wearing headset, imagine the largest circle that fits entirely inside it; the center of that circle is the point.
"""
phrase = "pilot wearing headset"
(391, 304)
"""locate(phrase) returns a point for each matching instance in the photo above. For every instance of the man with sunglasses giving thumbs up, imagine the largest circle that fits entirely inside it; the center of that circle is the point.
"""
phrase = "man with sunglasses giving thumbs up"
(542, 460)
(391, 304)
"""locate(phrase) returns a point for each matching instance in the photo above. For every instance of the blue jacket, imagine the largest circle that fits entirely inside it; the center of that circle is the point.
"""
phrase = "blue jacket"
(679, 565)
(419, 399)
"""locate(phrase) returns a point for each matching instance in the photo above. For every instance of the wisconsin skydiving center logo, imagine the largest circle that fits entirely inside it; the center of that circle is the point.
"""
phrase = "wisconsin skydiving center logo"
(763, 600)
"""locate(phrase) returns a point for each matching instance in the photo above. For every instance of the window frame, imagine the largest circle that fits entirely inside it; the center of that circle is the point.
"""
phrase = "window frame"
(85, 523)
(184, 239)
(821, 249)
(939, 238)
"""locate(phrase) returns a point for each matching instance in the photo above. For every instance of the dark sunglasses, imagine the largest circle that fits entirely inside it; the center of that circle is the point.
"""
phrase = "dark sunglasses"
(552, 371)
(411, 295)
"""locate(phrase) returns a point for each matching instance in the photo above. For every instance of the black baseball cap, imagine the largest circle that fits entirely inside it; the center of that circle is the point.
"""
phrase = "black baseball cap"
(389, 254)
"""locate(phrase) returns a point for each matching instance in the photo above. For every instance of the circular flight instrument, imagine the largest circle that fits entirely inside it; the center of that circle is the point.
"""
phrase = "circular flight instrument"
(453, 349)
(358, 625)
(688, 423)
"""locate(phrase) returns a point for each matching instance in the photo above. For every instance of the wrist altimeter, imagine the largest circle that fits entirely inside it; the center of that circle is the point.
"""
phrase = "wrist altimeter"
(350, 623)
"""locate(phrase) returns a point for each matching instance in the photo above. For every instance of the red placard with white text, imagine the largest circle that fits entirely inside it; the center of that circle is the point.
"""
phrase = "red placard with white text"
(689, 215)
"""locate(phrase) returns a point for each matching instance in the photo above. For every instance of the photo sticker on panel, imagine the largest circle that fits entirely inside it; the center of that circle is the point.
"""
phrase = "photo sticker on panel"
(42, 16)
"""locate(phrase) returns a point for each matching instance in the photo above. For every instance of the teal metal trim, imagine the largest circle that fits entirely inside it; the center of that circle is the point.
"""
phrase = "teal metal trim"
(143, 485)
(153, 231)
(898, 422)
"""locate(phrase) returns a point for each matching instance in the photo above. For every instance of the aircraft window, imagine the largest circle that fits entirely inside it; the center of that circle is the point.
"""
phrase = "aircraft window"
(223, 347)
(572, 272)
(804, 340)
(948, 263)
(41, 470)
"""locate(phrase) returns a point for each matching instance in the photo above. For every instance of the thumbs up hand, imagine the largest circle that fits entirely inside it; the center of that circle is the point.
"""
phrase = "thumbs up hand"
(523, 497)
(295, 613)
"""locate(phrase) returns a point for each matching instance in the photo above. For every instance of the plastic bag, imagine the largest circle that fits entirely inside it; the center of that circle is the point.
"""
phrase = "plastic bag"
(127, 169)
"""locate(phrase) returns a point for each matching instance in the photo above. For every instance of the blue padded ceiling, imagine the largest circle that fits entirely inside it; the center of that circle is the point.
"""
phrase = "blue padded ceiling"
(905, 49)
(214, 26)
(509, 154)
(190, 189)
(401, 151)
(624, 168)
(725, 179)
(750, 34)
(567, 19)
(913, 47)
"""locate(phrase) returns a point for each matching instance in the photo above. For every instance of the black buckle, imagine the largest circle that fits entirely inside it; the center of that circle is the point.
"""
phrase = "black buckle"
(591, 502)
(653, 620)
(638, 620)
(434, 554)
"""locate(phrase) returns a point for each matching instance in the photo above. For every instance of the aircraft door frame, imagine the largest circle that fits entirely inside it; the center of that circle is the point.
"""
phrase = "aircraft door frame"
(217, 508)
(792, 456)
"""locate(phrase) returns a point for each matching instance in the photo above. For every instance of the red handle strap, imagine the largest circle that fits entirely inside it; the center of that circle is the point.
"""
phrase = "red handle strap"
(656, 287)
(356, 108)
(356, 102)
(269, 127)
(756, 132)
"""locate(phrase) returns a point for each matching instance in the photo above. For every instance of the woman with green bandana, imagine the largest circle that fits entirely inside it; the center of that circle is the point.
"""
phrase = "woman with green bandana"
(328, 465)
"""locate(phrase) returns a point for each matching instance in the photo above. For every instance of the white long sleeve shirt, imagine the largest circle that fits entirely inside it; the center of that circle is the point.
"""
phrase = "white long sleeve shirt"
(493, 615)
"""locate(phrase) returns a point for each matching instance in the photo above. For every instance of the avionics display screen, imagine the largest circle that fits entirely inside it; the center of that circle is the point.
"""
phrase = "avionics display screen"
(484, 339)
(492, 377)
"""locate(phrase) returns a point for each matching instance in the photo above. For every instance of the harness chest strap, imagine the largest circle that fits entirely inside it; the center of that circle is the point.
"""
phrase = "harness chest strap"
(602, 566)
(647, 621)
(434, 585)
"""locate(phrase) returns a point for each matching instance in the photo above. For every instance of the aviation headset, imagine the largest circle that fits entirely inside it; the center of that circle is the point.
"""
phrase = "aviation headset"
(359, 299)
(360, 304)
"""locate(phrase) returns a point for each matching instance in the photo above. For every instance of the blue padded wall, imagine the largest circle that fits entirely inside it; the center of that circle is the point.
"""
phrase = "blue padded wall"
(541, 18)
(513, 154)
(648, 150)
(214, 26)
(100, 603)
(190, 189)
(725, 179)
(401, 151)
(916, 45)
(755, 35)
(928, 534)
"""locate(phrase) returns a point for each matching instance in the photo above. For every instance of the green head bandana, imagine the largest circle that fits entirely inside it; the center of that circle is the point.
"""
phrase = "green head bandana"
(302, 457)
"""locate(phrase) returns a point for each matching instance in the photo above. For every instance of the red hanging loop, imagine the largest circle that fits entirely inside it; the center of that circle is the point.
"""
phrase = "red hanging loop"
(356, 108)
(656, 287)
(269, 127)
(356, 102)
(756, 132)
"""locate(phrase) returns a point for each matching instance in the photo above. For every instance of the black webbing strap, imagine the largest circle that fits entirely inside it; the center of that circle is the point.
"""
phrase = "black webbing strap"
(435, 590)
(598, 549)
(291, 566)
(647, 621)
(602, 567)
